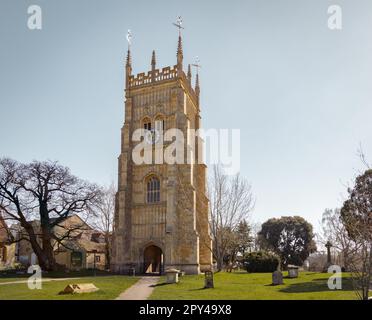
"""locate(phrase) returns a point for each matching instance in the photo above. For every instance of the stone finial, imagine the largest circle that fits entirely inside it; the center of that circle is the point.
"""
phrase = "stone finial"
(129, 59)
(179, 53)
(179, 47)
(153, 60)
(153, 66)
(128, 69)
(189, 76)
(197, 85)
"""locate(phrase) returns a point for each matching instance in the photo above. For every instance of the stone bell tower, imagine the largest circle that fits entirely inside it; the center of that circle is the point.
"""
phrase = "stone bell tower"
(161, 218)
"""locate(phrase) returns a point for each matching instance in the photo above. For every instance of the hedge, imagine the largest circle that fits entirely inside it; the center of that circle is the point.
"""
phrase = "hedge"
(261, 262)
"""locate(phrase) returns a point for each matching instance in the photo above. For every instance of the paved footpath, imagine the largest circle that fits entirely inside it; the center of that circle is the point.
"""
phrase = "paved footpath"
(141, 290)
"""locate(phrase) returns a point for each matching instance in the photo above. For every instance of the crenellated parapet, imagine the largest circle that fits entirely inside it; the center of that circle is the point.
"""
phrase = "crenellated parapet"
(165, 74)
(156, 76)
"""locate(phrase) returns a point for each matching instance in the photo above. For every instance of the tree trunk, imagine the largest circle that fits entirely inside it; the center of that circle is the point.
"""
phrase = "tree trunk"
(35, 246)
(218, 255)
(47, 237)
(346, 259)
(108, 251)
(48, 251)
(220, 263)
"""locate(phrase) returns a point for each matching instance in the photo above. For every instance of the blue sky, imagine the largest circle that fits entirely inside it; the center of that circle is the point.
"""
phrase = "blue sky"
(300, 93)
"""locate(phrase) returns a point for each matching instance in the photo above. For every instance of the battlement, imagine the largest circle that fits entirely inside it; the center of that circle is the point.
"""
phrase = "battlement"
(167, 73)
(163, 75)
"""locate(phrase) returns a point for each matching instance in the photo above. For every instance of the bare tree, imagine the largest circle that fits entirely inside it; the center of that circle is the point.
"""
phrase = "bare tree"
(231, 201)
(256, 228)
(334, 230)
(104, 213)
(45, 191)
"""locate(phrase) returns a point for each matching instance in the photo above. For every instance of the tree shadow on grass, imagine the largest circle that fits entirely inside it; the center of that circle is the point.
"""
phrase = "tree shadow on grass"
(316, 285)
(165, 284)
(274, 285)
(161, 284)
(200, 289)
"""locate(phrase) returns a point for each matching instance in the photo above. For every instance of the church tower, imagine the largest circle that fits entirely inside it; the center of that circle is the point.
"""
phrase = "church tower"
(161, 217)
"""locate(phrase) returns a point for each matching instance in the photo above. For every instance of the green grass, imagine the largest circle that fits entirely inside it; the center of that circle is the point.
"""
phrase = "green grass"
(11, 276)
(228, 286)
(110, 288)
(256, 286)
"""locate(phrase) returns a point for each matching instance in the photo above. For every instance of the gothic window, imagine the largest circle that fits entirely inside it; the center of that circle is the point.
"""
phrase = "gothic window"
(153, 190)
(159, 129)
(159, 124)
(147, 124)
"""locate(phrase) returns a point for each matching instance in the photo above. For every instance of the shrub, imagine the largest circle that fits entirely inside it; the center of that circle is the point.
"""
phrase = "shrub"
(18, 266)
(261, 262)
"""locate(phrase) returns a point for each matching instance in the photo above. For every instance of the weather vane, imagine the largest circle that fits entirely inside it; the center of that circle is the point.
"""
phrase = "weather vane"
(197, 64)
(178, 24)
(129, 37)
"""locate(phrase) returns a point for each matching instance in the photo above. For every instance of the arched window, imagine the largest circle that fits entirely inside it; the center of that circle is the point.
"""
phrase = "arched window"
(153, 190)
(147, 124)
(159, 123)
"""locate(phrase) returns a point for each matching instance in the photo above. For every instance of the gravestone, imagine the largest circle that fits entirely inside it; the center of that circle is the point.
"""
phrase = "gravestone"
(277, 278)
(307, 265)
(208, 280)
(172, 275)
(329, 263)
(79, 288)
(292, 271)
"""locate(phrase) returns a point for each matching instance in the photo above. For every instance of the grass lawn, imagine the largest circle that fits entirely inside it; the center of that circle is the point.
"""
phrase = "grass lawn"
(256, 286)
(110, 287)
(10, 276)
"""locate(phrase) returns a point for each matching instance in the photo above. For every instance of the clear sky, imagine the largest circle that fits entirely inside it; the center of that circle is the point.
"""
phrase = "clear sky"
(300, 93)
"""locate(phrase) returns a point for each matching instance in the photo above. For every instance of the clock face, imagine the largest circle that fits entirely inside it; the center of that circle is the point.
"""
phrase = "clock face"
(152, 136)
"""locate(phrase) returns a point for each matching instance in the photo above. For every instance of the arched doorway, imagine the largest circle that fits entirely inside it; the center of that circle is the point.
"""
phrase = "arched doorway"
(153, 260)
